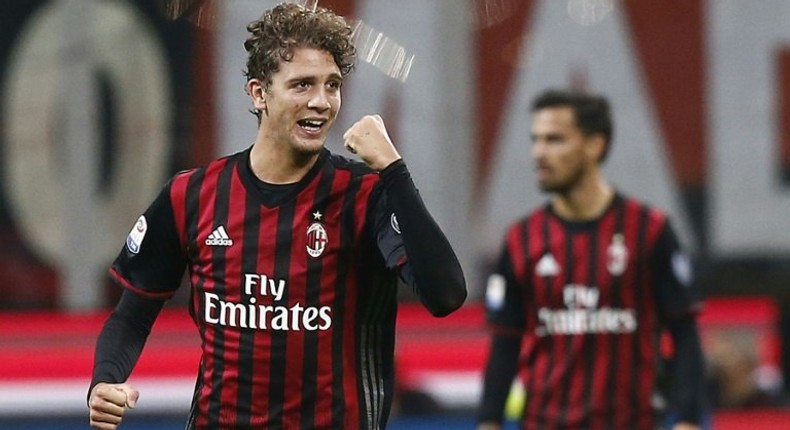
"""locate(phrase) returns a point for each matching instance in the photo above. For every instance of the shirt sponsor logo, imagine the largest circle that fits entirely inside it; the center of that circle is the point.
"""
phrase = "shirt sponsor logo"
(274, 316)
(583, 315)
(135, 238)
(219, 237)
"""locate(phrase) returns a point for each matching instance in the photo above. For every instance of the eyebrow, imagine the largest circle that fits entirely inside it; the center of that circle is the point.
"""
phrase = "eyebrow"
(547, 136)
(312, 78)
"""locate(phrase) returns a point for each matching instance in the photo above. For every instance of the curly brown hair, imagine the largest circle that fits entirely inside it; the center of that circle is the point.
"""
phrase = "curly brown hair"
(288, 26)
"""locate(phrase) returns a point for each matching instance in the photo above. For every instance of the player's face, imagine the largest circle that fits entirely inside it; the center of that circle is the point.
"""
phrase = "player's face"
(559, 150)
(302, 101)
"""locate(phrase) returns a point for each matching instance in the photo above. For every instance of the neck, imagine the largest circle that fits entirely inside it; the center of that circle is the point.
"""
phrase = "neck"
(279, 164)
(587, 200)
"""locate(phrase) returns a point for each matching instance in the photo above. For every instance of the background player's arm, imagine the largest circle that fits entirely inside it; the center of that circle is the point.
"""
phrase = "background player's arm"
(505, 313)
(499, 375)
(678, 308)
(688, 373)
(118, 348)
(432, 268)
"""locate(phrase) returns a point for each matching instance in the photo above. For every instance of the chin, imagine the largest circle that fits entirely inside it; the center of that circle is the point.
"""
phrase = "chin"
(553, 188)
(310, 147)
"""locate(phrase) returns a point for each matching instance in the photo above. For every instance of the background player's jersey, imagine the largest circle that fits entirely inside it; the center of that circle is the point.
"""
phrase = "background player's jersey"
(589, 298)
(293, 292)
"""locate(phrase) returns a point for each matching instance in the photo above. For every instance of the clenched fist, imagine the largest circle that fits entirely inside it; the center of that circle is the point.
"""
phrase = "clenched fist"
(108, 403)
(368, 138)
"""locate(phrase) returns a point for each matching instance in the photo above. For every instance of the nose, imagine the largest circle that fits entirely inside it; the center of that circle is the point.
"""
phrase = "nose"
(319, 101)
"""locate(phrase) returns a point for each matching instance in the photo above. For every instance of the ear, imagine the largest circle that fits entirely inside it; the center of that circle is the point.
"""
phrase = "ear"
(595, 147)
(257, 93)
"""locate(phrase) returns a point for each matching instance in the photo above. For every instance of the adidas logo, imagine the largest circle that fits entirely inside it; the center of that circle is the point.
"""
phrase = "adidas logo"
(219, 237)
(547, 266)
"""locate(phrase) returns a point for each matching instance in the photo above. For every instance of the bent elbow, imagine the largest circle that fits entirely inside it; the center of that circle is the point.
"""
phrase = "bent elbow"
(450, 302)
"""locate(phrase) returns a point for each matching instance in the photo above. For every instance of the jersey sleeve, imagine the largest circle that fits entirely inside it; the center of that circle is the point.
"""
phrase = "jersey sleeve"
(152, 261)
(387, 231)
(674, 277)
(504, 297)
(405, 227)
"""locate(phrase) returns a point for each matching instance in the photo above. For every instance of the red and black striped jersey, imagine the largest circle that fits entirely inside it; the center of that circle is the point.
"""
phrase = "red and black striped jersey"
(293, 291)
(589, 299)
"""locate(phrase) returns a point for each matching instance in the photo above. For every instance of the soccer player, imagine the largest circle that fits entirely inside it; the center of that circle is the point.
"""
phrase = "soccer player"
(293, 254)
(582, 289)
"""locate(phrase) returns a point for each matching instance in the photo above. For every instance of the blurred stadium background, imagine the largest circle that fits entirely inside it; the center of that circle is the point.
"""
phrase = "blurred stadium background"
(102, 100)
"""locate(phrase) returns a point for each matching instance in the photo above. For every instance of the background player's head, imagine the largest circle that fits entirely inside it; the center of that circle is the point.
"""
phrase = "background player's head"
(281, 30)
(571, 134)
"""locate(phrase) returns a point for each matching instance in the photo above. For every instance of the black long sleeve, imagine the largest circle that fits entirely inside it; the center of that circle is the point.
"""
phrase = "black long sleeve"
(122, 338)
(688, 374)
(438, 279)
(500, 372)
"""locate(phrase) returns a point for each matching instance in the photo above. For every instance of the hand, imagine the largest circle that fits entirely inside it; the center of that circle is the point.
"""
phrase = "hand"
(368, 138)
(685, 426)
(108, 403)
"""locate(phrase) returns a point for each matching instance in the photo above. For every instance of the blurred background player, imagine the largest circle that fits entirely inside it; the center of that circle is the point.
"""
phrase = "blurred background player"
(583, 288)
(293, 254)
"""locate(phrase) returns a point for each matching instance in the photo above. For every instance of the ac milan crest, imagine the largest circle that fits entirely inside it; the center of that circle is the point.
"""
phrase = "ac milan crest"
(617, 255)
(316, 237)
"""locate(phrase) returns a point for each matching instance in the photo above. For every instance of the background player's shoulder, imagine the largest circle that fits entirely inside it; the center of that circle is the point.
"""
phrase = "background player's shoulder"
(528, 217)
(525, 221)
(654, 213)
(535, 214)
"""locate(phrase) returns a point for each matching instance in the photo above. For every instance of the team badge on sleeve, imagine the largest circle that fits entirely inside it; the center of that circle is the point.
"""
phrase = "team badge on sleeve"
(495, 291)
(394, 223)
(135, 238)
(681, 267)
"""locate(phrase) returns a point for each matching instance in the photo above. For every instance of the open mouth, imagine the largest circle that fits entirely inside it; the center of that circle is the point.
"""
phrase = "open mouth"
(312, 125)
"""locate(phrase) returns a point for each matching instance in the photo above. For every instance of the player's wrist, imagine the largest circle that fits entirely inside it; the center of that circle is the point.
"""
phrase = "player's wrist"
(383, 165)
(92, 390)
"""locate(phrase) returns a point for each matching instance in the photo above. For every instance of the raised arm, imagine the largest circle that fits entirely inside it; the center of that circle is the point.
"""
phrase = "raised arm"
(432, 268)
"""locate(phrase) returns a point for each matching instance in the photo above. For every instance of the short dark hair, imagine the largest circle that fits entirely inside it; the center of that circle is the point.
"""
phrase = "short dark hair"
(592, 111)
(274, 37)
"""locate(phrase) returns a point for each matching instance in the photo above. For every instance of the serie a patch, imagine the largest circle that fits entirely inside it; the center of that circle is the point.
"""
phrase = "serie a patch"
(495, 292)
(394, 223)
(681, 267)
(135, 238)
